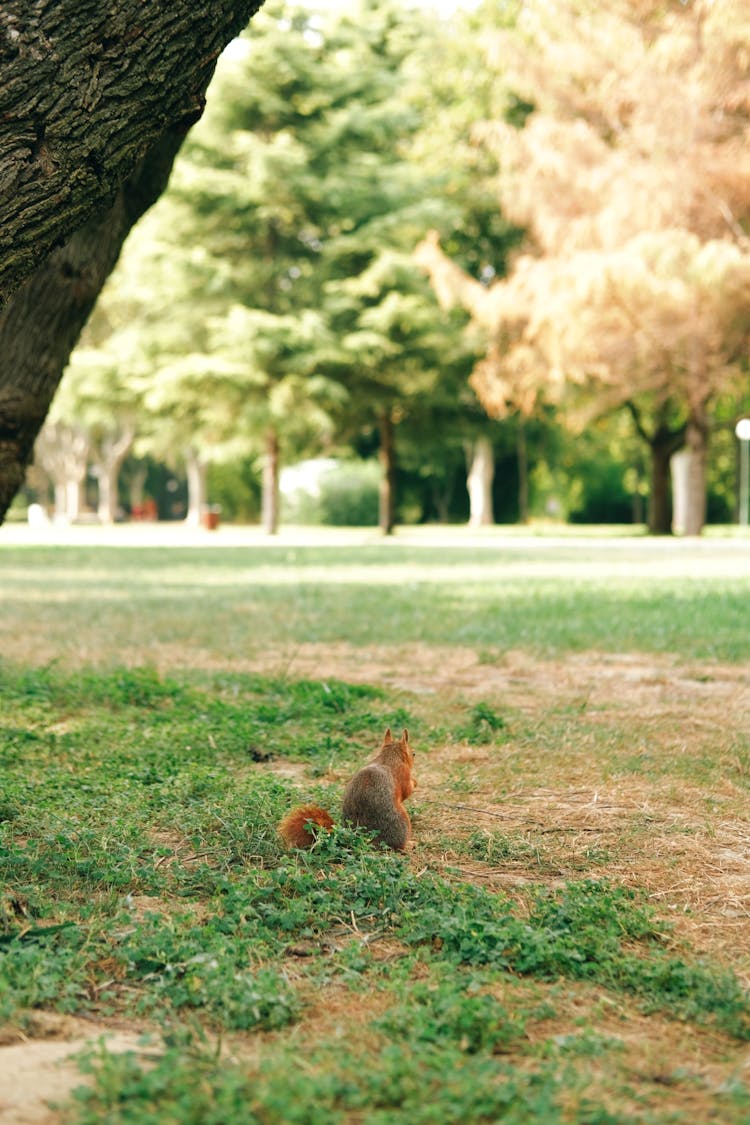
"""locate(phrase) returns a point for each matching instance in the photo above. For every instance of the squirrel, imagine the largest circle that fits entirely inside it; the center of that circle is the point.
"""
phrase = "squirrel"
(372, 799)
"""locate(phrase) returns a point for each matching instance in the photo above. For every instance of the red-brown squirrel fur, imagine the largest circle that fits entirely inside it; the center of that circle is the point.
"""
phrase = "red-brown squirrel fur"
(373, 799)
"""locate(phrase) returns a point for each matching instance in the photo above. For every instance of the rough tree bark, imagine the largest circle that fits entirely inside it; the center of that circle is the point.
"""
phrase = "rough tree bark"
(96, 97)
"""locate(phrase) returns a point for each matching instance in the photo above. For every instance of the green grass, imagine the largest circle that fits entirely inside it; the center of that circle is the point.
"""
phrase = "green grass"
(612, 595)
(149, 790)
(142, 878)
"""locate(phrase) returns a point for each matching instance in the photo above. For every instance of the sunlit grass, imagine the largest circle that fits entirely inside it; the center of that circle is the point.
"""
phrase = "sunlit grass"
(546, 596)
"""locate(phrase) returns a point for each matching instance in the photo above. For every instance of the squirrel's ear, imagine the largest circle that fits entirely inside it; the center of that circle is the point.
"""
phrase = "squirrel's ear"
(405, 735)
(387, 737)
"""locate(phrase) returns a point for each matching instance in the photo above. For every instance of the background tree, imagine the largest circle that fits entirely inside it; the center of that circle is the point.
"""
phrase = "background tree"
(635, 151)
(397, 355)
(62, 451)
(293, 185)
(289, 410)
(99, 397)
(474, 232)
(94, 104)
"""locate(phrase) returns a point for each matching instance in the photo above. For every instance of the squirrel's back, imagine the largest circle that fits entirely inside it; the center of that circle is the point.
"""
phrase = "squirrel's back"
(370, 802)
(373, 798)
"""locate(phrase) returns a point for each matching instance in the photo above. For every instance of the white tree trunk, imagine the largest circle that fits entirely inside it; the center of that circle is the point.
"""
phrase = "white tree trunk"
(197, 473)
(270, 494)
(106, 508)
(61, 501)
(113, 452)
(137, 483)
(74, 502)
(688, 469)
(479, 481)
(678, 468)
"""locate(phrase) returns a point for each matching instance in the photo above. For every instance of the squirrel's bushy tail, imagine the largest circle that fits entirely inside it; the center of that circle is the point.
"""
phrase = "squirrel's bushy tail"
(300, 827)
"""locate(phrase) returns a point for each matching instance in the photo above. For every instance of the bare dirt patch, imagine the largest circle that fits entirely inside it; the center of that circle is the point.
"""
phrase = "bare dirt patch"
(38, 1067)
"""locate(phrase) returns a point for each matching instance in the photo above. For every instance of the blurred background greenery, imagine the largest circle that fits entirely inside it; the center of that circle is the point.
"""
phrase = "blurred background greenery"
(489, 261)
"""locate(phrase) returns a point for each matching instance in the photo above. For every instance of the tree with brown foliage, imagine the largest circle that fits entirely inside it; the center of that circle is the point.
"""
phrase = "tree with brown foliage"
(632, 178)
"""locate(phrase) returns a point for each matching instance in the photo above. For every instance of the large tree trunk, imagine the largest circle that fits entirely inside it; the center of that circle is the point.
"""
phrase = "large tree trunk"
(270, 486)
(479, 481)
(387, 456)
(95, 100)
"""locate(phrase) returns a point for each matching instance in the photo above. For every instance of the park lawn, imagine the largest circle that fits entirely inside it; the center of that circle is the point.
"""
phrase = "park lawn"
(568, 940)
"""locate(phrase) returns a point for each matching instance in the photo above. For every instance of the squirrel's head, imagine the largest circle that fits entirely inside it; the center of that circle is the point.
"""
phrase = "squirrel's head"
(402, 744)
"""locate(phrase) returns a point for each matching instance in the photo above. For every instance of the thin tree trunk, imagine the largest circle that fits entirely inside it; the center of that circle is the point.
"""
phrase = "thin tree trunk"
(387, 492)
(107, 477)
(479, 481)
(74, 502)
(137, 484)
(663, 442)
(659, 506)
(270, 494)
(61, 501)
(696, 442)
(113, 453)
(441, 499)
(523, 471)
(196, 472)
